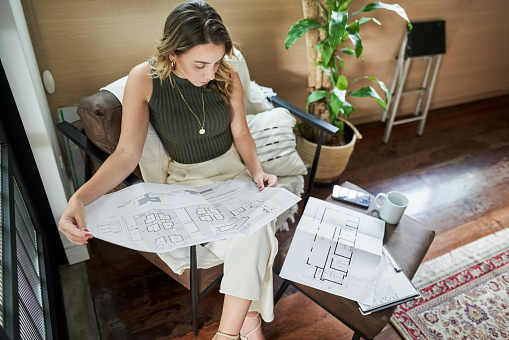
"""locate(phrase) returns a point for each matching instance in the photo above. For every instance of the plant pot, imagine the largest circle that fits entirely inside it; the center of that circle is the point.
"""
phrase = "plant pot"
(333, 159)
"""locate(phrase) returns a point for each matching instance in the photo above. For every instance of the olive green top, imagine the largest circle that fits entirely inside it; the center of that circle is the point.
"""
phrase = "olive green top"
(178, 127)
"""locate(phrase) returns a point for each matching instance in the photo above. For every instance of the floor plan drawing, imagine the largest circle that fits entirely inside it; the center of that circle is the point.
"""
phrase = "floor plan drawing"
(331, 252)
(158, 217)
(335, 249)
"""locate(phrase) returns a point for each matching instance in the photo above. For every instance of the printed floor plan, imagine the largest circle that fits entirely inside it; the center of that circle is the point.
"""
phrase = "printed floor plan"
(335, 249)
(159, 217)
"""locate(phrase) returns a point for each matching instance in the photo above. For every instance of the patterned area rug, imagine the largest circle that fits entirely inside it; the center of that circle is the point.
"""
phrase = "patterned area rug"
(465, 294)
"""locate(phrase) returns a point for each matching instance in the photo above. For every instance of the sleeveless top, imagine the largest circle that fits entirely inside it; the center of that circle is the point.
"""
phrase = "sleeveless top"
(179, 129)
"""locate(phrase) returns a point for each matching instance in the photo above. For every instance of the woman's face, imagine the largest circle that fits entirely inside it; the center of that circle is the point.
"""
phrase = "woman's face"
(199, 64)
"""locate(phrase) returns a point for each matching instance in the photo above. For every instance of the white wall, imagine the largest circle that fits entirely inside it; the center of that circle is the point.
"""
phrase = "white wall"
(22, 72)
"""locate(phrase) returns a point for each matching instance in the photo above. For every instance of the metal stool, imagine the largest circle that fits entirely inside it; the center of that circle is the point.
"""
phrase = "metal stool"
(425, 40)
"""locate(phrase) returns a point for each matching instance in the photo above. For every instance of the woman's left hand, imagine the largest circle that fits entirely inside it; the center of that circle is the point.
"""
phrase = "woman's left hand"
(263, 180)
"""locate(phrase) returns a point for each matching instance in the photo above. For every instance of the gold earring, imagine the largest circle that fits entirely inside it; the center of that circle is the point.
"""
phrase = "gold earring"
(172, 63)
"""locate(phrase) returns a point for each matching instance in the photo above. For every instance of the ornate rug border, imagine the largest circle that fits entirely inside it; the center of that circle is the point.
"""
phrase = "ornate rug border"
(448, 272)
(447, 289)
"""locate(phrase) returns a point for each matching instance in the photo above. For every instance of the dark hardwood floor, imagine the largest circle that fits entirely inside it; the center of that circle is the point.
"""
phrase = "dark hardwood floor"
(457, 179)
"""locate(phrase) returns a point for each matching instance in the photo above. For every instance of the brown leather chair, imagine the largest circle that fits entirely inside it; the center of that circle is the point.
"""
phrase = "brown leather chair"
(97, 133)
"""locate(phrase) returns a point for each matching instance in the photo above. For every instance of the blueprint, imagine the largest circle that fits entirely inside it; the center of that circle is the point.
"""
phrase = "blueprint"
(337, 250)
(159, 217)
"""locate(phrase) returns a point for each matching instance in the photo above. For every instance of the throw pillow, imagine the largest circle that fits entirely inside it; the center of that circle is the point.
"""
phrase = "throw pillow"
(275, 142)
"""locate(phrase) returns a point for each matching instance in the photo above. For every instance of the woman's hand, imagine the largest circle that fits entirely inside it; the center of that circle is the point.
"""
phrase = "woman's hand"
(72, 222)
(263, 180)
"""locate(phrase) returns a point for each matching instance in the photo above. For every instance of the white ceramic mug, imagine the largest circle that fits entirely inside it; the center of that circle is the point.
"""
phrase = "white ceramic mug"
(393, 206)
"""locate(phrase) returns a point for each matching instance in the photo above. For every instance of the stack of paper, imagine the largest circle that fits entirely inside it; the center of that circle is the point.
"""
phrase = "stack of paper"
(392, 286)
(340, 251)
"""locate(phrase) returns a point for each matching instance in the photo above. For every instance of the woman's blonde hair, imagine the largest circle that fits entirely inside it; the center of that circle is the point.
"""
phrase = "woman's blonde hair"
(190, 24)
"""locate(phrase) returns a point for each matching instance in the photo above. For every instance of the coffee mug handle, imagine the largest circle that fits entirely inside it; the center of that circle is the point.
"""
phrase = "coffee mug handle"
(380, 195)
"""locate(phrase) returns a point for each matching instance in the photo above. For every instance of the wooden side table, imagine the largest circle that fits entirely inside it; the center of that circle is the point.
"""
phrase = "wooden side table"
(408, 242)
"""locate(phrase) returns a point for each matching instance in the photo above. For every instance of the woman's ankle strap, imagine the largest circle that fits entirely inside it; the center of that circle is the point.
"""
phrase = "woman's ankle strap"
(229, 336)
(253, 317)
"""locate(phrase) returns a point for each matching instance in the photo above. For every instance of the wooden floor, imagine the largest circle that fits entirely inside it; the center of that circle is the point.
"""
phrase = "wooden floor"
(457, 179)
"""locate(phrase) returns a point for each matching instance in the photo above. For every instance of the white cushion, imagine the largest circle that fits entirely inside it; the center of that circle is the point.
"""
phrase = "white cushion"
(255, 96)
(275, 142)
(117, 88)
(154, 159)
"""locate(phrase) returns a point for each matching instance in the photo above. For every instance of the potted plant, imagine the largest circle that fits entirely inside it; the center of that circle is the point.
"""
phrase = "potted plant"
(332, 33)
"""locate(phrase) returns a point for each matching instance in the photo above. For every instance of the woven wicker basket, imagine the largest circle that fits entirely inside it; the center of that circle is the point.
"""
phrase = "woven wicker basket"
(333, 159)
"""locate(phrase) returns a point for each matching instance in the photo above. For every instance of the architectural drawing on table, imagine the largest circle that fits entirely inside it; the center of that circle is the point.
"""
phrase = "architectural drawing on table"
(331, 250)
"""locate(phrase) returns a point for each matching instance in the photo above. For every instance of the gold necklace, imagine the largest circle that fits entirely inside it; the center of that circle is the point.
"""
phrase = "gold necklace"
(202, 125)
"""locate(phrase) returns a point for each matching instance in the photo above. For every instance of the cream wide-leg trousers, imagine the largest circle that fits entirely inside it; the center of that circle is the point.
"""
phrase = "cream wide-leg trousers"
(247, 260)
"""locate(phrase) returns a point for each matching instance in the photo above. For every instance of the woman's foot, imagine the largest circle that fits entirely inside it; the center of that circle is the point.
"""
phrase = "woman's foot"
(251, 329)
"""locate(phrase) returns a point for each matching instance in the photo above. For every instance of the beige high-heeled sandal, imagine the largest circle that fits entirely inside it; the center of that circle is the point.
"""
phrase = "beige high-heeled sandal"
(246, 337)
(229, 336)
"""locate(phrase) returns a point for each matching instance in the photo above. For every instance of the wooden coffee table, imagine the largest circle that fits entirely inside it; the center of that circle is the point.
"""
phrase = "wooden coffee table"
(408, 242)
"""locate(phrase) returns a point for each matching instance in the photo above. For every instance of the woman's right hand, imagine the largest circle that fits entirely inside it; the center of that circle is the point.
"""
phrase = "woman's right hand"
(135, 120)
(72, 223)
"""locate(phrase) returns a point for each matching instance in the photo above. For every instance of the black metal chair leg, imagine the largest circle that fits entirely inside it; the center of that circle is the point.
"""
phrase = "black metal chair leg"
(281, 290)
(356, 336)
(88, 170)
(194, 289)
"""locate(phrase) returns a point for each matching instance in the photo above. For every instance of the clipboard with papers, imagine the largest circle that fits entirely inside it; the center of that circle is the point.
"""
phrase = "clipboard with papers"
(392, 286)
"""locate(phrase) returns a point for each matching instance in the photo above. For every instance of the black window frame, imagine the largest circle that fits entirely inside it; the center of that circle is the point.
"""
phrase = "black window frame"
(19, 172)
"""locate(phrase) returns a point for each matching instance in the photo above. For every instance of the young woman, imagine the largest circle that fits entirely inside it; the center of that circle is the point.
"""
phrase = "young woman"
(194, 99)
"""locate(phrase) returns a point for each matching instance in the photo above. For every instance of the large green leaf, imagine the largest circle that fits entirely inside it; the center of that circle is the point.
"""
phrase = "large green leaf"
(354, 27)
(382, 86)
(299, 29)
(327, 52)
(348, 109)
(337, 100)
(339, 105)
(347, 50)
(369, 92)
(316, 95)
(391, 7)
(337, 27)
(379, 82)
(353, 33)
(340, 125)
(334, 71)
(331, 5)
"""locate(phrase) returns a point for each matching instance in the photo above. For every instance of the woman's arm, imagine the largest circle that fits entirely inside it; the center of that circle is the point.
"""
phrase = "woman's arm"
(121, 162)
(242, 137)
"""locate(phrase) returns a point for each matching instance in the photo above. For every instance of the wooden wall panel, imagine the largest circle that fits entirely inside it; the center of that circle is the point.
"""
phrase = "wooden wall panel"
(87, 44)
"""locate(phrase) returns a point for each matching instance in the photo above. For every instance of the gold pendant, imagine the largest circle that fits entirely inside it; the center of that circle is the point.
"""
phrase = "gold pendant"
(202, 131)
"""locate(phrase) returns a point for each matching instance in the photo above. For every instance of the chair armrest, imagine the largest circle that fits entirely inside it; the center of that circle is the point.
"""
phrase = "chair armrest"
(305, 116)
(89, 148)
